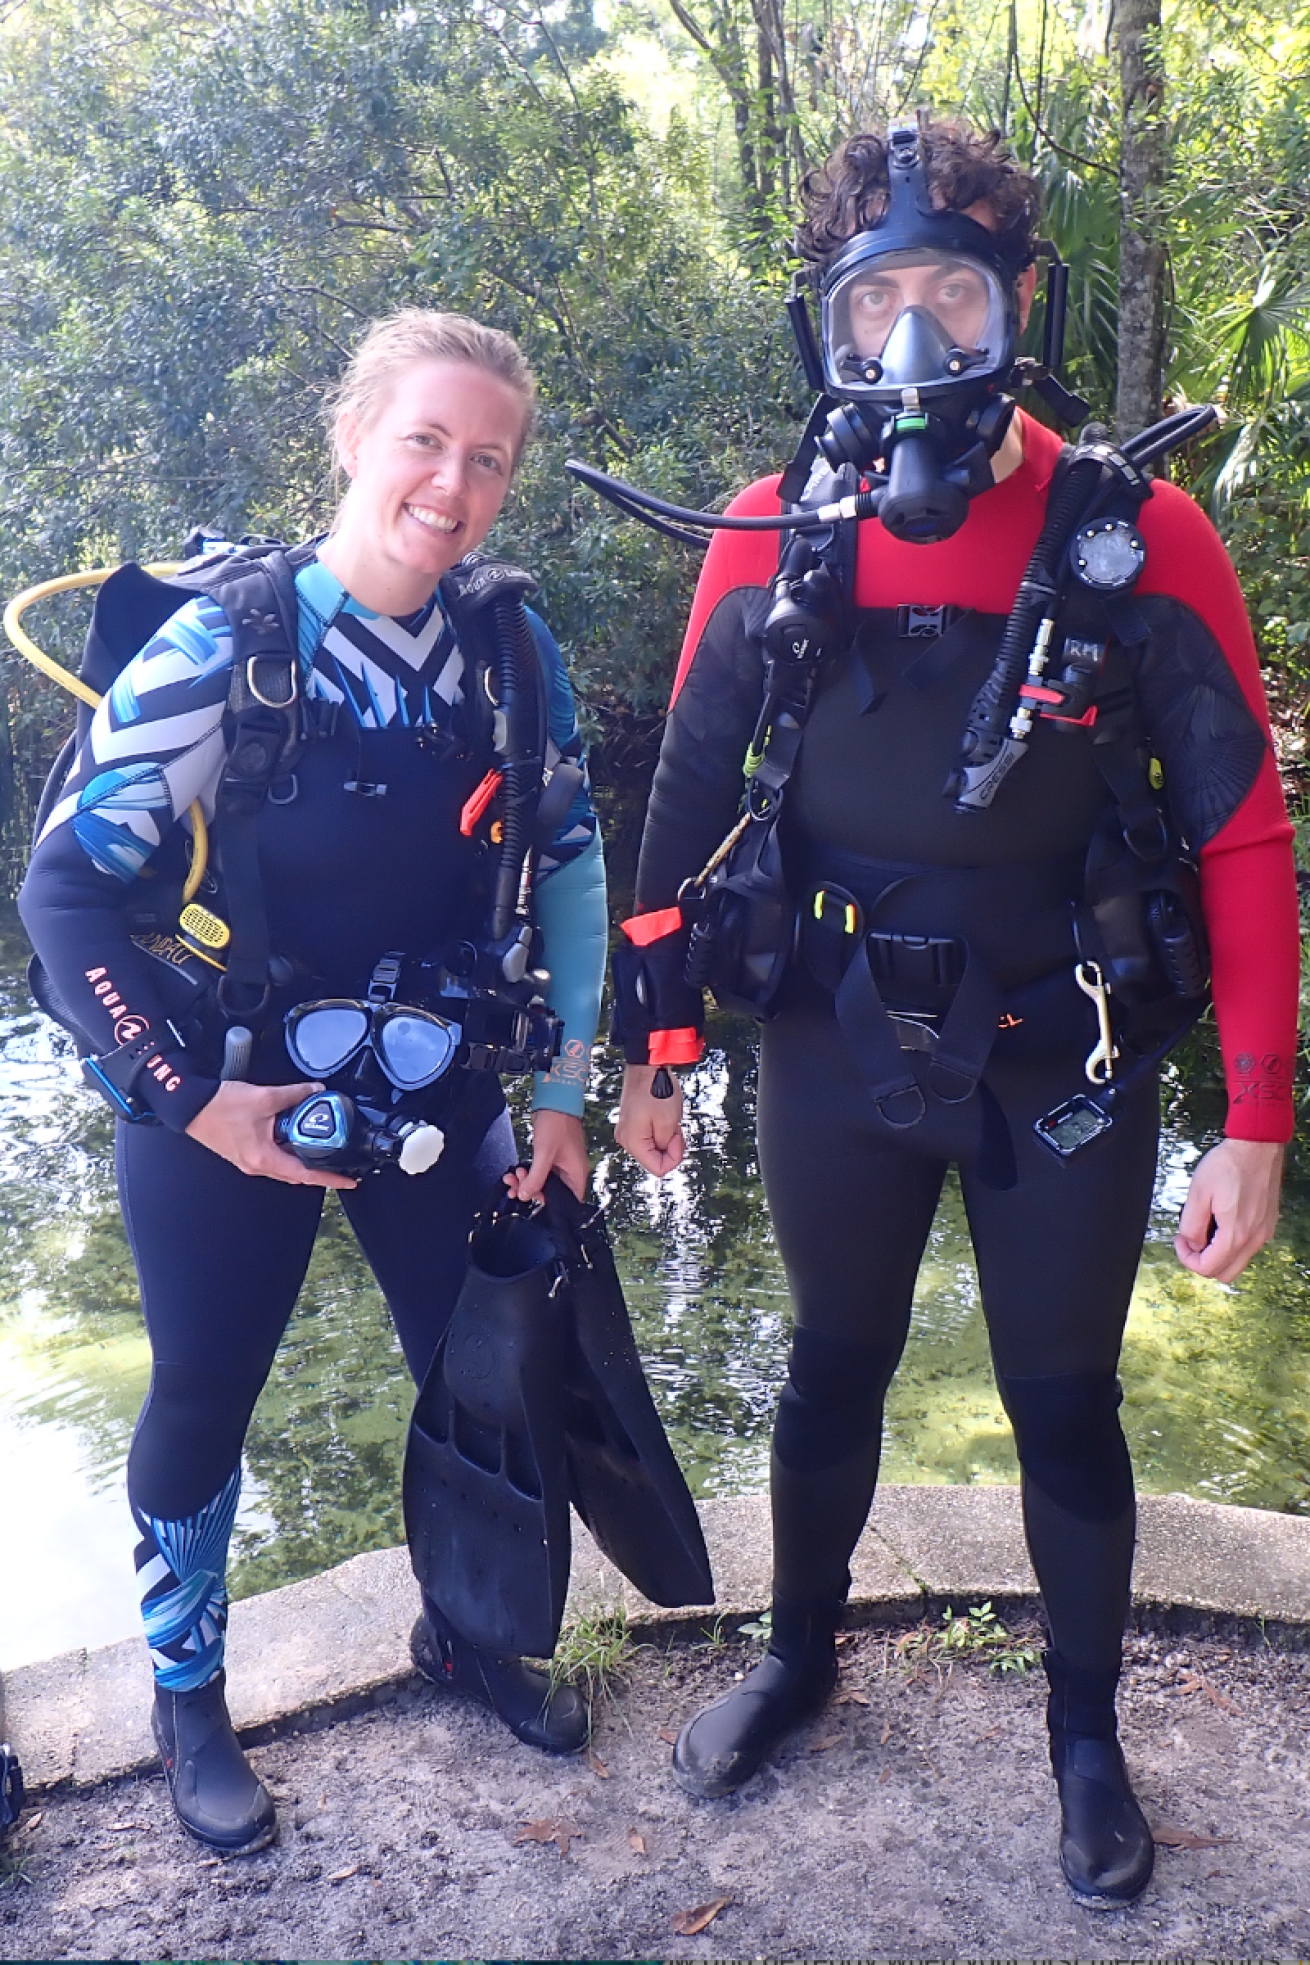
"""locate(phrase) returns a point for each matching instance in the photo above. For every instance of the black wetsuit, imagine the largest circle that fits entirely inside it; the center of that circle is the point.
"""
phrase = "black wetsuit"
(851, 1196)
(367, 857)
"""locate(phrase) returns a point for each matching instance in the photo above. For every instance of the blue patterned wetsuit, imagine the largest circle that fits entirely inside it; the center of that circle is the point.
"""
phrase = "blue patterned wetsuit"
(348, 874)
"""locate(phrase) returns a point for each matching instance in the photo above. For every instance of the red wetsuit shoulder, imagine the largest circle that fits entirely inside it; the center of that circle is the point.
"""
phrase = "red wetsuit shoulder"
(1248, 876)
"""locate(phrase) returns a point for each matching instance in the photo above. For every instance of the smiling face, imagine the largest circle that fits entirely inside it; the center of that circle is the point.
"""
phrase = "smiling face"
(428, 474)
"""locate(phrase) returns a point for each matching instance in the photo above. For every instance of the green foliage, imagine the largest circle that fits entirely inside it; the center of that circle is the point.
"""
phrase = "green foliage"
(203, 205)
(595, 1652)
(978, 1633)
(197, 225)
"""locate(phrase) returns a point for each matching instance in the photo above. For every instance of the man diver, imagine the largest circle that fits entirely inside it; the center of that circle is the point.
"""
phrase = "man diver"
(947, 998)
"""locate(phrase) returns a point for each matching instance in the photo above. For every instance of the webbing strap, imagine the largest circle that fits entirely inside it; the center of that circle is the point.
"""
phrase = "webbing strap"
(264, 718)
(958, 1059)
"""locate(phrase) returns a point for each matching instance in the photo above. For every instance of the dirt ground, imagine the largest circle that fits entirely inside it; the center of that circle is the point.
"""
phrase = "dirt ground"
(914, 1818)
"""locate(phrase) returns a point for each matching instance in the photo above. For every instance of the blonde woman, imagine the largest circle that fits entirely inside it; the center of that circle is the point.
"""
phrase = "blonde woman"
(373, 854)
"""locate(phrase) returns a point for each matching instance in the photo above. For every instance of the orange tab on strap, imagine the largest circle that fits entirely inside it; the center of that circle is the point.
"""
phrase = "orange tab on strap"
(675, 1046)
(643, 929)
(478, 801)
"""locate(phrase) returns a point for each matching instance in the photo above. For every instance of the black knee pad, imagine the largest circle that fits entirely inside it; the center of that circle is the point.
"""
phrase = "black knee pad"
(188, 1438)
(832, 1401)
(1070, 1442)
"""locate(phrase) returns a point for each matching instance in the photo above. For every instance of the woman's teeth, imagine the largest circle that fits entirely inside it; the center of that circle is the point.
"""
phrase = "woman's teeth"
(435, 521)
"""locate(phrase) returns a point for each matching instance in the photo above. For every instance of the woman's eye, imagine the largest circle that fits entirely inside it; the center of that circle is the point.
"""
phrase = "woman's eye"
(488, 462)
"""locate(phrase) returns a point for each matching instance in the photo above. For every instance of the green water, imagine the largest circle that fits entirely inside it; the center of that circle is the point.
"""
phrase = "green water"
(1218, 1393)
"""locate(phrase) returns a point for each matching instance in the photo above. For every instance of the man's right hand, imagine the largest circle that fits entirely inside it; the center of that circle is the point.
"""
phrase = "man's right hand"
(650, 1128)
(237, 1124)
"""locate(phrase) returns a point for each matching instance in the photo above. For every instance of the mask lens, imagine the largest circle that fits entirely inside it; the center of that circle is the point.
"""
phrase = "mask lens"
(414, 1048)
(322, 1037)
(914, 318)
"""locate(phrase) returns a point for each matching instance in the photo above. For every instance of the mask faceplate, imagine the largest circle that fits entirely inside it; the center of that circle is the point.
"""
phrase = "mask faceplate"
(922, 317)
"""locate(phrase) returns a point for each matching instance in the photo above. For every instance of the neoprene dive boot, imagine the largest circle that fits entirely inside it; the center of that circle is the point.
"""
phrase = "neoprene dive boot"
(1106, 1849)
(216, 1794)
(724, 1745)
(554, 1718)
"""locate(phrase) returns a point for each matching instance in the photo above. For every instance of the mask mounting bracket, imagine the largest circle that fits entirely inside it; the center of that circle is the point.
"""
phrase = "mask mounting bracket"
(1044, 377)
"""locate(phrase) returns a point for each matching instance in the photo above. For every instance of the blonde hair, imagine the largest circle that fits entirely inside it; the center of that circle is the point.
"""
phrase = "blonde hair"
(421, 334)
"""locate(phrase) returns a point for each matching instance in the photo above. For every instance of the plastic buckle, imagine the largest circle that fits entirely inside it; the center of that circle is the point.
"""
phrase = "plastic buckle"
(915, 1030)
(385, 979)
(914, 623)
(911, 963)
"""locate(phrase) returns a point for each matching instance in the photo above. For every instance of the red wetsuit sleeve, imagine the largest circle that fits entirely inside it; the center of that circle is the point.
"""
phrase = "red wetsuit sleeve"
(1248, 876)
(734, 559)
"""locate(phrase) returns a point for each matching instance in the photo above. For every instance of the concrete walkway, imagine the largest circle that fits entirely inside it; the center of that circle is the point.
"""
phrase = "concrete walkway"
(333, 1643)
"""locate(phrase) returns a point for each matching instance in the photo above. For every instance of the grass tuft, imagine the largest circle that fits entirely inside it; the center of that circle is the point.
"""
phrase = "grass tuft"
(978, 1633)
(595, 1653)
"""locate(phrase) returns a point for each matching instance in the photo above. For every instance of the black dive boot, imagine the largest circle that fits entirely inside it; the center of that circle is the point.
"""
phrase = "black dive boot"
(217, 1796)
(1106, 1848)
(723, 1746)
(552, 1717)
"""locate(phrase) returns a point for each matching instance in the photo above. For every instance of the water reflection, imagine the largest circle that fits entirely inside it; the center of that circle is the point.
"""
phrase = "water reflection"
(1218, 1403)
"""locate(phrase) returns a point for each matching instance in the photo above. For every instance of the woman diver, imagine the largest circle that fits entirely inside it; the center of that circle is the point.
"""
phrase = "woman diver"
(957, 959)
(370, 856)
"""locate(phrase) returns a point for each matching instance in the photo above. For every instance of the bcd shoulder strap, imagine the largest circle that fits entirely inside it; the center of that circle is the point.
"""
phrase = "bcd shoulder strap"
(263, 722)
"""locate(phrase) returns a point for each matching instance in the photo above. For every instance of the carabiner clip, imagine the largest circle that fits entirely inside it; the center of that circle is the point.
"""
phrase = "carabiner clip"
(1099, 1065)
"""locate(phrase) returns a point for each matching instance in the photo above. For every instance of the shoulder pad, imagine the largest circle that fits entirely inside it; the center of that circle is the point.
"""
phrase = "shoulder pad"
(476, 581)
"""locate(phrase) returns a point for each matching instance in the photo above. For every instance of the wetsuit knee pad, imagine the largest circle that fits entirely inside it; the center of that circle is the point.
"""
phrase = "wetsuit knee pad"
(1070, 1442)
(189, 1437)
(832, 1400)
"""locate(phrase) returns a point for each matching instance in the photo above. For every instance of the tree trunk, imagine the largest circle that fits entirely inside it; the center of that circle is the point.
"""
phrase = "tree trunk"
(1142, 174)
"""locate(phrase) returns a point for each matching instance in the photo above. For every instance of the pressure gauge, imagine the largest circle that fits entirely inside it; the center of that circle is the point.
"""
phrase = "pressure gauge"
(1107, 555)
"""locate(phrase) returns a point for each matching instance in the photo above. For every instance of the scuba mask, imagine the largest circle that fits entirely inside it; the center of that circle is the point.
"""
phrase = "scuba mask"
(918, 336)
(919, 328)
(917, 345)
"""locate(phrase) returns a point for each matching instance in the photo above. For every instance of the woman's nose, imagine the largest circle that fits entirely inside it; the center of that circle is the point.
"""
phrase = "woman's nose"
(449, 471)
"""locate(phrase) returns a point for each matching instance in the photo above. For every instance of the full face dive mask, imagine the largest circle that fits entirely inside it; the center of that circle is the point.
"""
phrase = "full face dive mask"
(919, 330)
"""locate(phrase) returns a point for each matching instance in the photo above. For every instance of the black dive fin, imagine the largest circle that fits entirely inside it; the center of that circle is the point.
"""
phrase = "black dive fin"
(486, 1482)
(623, 1477)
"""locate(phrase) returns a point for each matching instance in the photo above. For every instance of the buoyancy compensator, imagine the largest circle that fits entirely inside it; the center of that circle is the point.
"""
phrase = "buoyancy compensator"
(212, 940)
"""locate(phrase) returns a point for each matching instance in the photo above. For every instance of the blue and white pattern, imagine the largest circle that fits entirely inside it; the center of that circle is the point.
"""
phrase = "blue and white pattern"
(181, 1574)
(156, 743)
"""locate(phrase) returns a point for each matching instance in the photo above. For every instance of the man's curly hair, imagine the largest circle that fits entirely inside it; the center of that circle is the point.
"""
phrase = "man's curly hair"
(849, 193)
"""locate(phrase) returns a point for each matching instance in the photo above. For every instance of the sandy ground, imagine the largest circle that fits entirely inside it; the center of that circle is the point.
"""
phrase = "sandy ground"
(913, 1819)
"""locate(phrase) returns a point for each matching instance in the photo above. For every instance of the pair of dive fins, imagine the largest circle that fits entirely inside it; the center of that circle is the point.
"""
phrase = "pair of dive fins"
(536, 1398)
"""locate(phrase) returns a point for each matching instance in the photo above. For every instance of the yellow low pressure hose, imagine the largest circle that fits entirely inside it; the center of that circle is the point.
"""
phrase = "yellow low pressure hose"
(68, 583)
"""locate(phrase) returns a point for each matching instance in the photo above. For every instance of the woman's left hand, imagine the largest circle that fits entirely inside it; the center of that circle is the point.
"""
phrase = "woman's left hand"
(559, 1146)
(1231, 1208)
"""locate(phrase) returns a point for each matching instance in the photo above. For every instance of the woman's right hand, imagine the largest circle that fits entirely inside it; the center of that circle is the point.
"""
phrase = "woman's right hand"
(237, 1124)
(650, 1128)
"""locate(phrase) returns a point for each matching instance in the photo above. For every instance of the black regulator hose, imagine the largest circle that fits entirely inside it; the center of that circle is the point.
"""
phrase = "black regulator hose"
(640, 504)
(988, 719)
(520, 742)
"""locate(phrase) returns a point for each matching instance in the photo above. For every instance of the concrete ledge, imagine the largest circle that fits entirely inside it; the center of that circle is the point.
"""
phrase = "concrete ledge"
(341, 1639)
